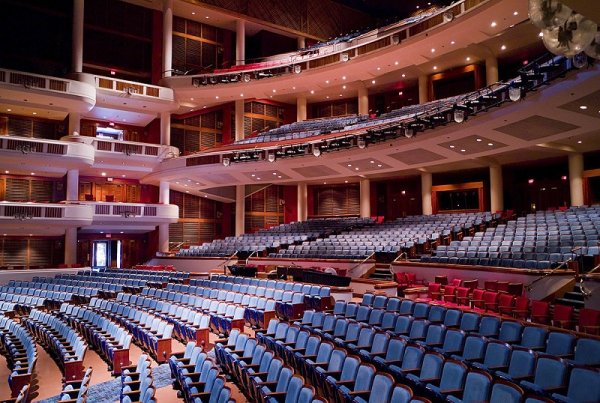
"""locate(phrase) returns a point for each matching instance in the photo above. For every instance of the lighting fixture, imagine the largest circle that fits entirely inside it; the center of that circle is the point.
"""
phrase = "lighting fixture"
(514, 92)
(246, 78)
(459, 115)
(297, 69)
(226, 161)
(316, 150)
(271, 157)
(361, 142)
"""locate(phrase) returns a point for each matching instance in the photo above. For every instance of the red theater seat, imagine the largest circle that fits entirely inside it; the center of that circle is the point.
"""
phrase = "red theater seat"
(563, 316)
(589, 321)
(540, 312)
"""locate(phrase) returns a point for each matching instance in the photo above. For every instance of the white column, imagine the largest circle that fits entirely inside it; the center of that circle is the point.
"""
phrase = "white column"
(163, 238)
(300, 108)
(71, 245)
(167, 49)
(496, 188)
(576, 179)
(426, 183)
(73, 185)
(240, 42)
(74, 123)
(164, 196)
(77, 38)
(301, 42)
(240, 209)
(491, 70)
(302, 202)
(239, 120)
(423, 88)
(165, 128)
(363, 100)
(365, 198)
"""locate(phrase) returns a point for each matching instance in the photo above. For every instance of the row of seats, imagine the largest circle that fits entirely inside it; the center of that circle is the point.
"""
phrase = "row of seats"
(76, 391)
(63, 343)
(18, 347)
(137, 382)
(261, 375)
(151, 332)
(53, 299)
(111, 341)
(197, 377)
(79, 291)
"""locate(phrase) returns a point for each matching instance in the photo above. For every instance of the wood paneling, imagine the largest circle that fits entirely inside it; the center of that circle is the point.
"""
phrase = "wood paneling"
(336, 201)
(31, 252)
(196, 46)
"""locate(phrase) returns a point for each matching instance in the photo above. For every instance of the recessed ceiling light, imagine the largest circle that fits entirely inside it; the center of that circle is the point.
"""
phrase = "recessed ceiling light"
(191, 99)
(579, 142)
(403, 75)
(435, 67)
(452, 42)
(241, 95)
(187, 191)
(35, 113)
(356, 169)
(193, 13)
(491, 144)
(327, 97)
(583, 107)
(503, 47)
(378, 68)
(372, 162)
(493, 24)
(121, 232)
(103, 174)
(123, 176)
(257, 178)
(345, 181)
(207, 17)
(293, 88)
(372, 81)
(253, 175)
(451, 146)
(274, 90)
(326, 81)
(432, 50)
(468, 59)
(463, 150)
(324, 183)
(379, 165)
(343, 87)
(479, 140)
(343, 77)
(312, 91)
(216, 97)
(9, 110)
(401, 93)
(349, 165)
(516, 13)
(340, 95)
(32, 173)
(6, 172)
(395, 63)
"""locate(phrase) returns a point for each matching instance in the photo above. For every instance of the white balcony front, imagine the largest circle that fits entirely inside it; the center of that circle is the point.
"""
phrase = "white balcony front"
(46, 219)
(129, 217)
(52, 156)
(46, 92)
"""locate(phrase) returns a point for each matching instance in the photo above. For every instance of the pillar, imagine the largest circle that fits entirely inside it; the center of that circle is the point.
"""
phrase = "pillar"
(426, 182)
(365, 198)
(423, 89)
(239, 120)
(164, 196)
(363, 100)
(240, 209)
(74, 123)
(240, 42)
(496, 188)
(163, 238)
(71, 245)
(300, 108)
(167, 50)
(302, 202)
(165, 128)
(301, 42)
(576, 179)
(491, 69)
(77, 37)
(73, 185)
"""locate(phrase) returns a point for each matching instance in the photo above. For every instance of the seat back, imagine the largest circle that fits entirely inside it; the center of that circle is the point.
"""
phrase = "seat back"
(453, 375)
(584, 385)
(510, 332)
(401, 394)
(506, 392)
(497, 354)
(431, 367)
(587, 352)
(534, 337)
(550, 372)
(381, 389)
(293, 388)
(413, 356)
(364, 377)
(560, 344)
(478, 387)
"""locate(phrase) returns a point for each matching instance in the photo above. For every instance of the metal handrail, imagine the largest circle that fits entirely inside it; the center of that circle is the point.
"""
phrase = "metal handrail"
(361, 262)
(529, 286)
(227, 261)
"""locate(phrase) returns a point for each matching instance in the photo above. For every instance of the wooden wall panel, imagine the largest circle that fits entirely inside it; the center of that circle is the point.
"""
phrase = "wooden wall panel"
(336, 201)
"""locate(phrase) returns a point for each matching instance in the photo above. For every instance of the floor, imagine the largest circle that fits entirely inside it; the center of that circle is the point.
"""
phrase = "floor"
(47, 381)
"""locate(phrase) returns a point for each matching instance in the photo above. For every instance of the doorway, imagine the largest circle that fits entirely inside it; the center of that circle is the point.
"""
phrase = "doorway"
(106, 254)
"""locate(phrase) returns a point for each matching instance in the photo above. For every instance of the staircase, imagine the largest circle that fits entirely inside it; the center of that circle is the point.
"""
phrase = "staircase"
(573, 298)
(382, 272)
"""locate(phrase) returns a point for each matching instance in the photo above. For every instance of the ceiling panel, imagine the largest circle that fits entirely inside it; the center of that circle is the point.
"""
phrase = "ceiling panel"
(535, 127)
(417, 156)
(472, 145)
(315, 171)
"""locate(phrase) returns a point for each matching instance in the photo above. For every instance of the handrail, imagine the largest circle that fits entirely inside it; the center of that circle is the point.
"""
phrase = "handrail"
(529, 286)
(248, 258)
(399, 256)
(177, 245)
(227, 261)
(360, 263)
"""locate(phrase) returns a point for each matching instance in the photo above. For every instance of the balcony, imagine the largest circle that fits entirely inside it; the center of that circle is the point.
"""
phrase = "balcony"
(73, 96)
(21, 218)
(132, 214)
(41, 152)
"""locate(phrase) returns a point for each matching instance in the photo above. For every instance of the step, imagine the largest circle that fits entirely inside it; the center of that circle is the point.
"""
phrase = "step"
(577, 296)
(570, 302)
(378, 276)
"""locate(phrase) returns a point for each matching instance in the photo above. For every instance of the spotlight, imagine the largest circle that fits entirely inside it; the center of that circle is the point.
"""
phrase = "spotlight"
(271, 157)
(361, 142)
(246, 78)
(459, 115)
(408, 132)
(316, 150)
(226, 161)
(580, 60)
(213, 80)
(344, 57)
(297, 69)
(514, 92)
(448, 16)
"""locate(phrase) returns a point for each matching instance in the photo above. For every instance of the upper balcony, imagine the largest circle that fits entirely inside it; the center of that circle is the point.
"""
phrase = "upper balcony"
(46, 92)
(22, 218)
(53, 156)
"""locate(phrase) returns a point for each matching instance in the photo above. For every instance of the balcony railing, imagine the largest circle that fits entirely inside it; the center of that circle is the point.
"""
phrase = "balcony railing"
(134, 88)
(131, 148)
(133, 212)
(31, 211)
(27, 146)
(47, 83)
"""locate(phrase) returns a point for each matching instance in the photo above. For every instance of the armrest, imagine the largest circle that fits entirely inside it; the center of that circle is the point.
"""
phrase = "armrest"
(360, 393)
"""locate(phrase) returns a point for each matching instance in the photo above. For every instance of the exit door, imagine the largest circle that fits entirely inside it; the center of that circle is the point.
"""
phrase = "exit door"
(106, 254)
